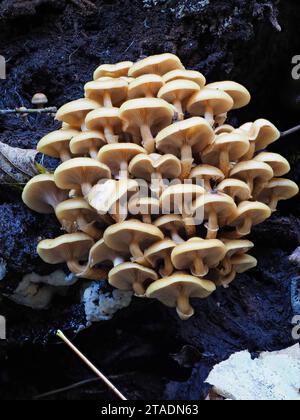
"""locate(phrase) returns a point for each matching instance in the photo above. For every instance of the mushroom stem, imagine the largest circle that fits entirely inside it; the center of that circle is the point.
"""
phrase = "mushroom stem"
(250, 183)
(209, 115)
(189, 225)
(207, 184)
(184, 308)
(199, 268)
(147, 138)
(109, 135)
(138, 289)
(259, 187)
(224, 162)
(176, 237)
(186, 161)
(135, 250)
(212, 225)
(156, 185)
(226, 267)
(123, 174)
(93, 153)
(91, 230)
(107, 100)
(117, 261)
(249, 155)
(178, 106)
(65, 155)
(168, 268)
(86, 188)
(221, 119)
(273, 203)
(86, 272)
(147, 219)
(225, 281)
(245, 228)
(119, 211)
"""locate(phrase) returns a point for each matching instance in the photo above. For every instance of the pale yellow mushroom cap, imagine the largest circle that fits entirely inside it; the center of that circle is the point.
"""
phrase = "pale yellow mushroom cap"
(113, 70)
(243, 263)
(259, 171)
(147, 85)
(144, 166)
(101, 118)
(235, 188)
(69, 211)
(55, 143)
(278, 189)
(219, 101)
(262, 132)
(74, 113)
(178, 90)
(192, 75)
(131, 276)
(113, 155)
(116, 89)
(254, 210)
(156, 64)
(237, 246)
(240, 95)
(207, 172)
(277, 162)
(82, 143)
(221, 204)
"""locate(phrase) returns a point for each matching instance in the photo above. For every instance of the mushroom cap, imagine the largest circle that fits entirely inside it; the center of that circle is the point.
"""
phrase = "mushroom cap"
(39, 99)
(52, 144)
(258, 212)
(143, 166)
(194, 131)
(101, 253)
(240, 95)
(69, 211)
(113, 155)
(125, 275)
(179, 89)
(71, 174)
(169, 289)
(180, 197)
(207, 172)
(236, 144)
(243, 263)
(235, 188)
(277, 162)
(169, 222)
(41, 194)
(262, 132)
(144, 206)
(116, 88)
(211, 251)
(113, 70)
(237, 246)
(157, 252)
(192, 75)
(283, 188)
(145, 85)
(218, 100)
(74, 113)
(120, 235)
(83, 142)
(65, 248)
(156, 64)
(222, 204)
(252, 168)
(154, 112)
(104, 117)
(224, 129)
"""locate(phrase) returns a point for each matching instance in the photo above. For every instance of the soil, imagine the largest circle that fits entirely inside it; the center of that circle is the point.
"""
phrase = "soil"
(53, 47)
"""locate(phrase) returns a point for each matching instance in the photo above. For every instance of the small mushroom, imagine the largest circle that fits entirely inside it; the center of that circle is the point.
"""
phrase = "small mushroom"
(72, 248)
(40, 100)
(156, 64)
(198, 255)
(208, 103)
(106, 120)
(87, 143)
(173, 225)
(216, 209)
(206, 174)
(144, 118)
(108, 93)
(277, 162)
(227, 148)
(80, 173)
(146, 207)
(132, 235)
(131, 276)
(74, 113)
(224, 129)
(113, 70)
(118, 156)
(248, 214)
(192, 75)
(42, 195)
(184, 138)
(57, 144)
(76, 215)
(276, 190)
(233, 247)
(178, 93)
(236, 189)
(175, 292)
(255, 174)
(159, 255)
(146, 86)
(240, 263)
(100, 253)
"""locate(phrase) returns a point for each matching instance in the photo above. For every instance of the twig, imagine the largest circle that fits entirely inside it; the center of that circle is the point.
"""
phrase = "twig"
(61, 335)
(291, 131)
(50, 110)
(82, 4)
(66, 388)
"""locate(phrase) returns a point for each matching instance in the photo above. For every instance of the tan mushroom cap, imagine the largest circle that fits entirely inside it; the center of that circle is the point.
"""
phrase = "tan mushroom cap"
(100, 253)
(80, 172)
(226, 148)
(248, 214)
(178, 92)
(192, 75)
(235, 188)
(237, 246)
(147, 207)
(276, 190)
(159, 255)
(156, 64)
(224, 129)
(262, 133)
(39, 99)
(277, 162)
(255, 174)
(56, 144)
(146, 86)
(132, 235)
(145, 166)
(88, 142)
(131, 276)
(243, 263)
(144, 118)
(175, 292)
(74, 113)
(108, 92)
(206, 174)
(240, 95)
(42, 195)
(172, 225)
(117, 156)
(113, 70)
(198, 255)
(106, 120)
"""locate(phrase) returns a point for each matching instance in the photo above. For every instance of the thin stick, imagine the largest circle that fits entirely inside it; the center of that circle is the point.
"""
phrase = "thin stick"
(61, 335)
(291, 131)
(50, 110)
(66, 388)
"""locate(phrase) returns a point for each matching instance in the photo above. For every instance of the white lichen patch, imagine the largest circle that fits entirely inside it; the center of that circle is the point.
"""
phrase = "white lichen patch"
(271, 377)
(101, 306)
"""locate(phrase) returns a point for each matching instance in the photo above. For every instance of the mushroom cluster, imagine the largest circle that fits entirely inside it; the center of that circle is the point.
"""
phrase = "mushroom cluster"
(155, 191)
